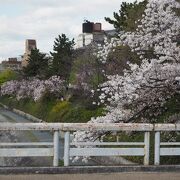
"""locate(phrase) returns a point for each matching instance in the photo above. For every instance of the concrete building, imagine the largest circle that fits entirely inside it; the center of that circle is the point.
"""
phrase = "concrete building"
(92, 33)
(30, 44)
(12, 63)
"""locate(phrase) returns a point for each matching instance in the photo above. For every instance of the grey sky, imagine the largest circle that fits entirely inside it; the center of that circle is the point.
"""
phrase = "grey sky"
(43, 20)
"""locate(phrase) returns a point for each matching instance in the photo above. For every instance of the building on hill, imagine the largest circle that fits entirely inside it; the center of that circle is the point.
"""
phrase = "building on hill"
(30, 44)
(12, 63)
(93, 33)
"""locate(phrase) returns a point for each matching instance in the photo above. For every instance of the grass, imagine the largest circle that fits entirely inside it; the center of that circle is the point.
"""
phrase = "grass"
(61, 163)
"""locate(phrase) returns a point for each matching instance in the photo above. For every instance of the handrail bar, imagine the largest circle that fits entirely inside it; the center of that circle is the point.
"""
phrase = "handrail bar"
(77, 126)
(90, 127)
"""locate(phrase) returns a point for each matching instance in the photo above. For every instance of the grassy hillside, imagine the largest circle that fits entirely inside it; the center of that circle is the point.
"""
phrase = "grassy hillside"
(52, 110)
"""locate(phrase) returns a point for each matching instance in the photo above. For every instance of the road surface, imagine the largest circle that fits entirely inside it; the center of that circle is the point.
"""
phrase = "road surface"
(27, 136)
(113, 176)
(24, 136)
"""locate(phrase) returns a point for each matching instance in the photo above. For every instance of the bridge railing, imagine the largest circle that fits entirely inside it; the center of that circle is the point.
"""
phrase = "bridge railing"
(89, 148)
(110, 148)
(165, 148)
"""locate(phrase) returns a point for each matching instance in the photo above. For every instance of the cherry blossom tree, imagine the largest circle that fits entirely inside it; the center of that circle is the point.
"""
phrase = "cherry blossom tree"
(143, 89)
(33, 88)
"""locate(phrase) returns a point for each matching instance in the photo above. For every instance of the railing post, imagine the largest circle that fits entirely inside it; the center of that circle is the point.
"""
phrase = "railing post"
(66, 148)
(117, 138)
(146, 147)
(157, 148)
(56, 148)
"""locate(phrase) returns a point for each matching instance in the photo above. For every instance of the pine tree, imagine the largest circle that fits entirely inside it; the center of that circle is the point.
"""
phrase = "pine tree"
(37, 65)
(62, 56)
(129, 13)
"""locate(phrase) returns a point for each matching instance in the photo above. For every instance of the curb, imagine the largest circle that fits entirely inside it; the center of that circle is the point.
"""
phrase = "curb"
(28, 116)
(21, 113)
(88, 169)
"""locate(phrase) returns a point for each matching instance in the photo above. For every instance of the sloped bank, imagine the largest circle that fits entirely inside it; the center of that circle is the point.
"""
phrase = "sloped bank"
(53, 110)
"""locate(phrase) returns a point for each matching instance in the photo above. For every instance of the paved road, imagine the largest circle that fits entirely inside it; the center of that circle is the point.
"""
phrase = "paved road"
(27, 136)
(113, 176)
(24, 136)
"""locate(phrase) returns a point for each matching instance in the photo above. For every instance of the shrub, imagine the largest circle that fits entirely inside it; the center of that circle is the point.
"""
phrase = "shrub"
(7, 75)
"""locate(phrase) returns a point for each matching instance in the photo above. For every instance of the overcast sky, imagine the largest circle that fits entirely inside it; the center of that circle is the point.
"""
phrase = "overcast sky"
(44, 20)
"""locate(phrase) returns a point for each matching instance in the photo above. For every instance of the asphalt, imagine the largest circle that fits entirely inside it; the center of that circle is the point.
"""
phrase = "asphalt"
(24, 136)
(29, 136)
(106, 176)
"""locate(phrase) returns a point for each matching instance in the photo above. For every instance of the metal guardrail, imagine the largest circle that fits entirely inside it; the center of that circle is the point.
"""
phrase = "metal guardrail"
(89, 148)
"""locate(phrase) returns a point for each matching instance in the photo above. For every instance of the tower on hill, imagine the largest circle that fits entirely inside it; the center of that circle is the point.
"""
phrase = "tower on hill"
(30, 44)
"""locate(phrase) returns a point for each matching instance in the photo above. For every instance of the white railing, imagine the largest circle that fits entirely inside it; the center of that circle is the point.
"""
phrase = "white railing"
(168, 150)
(89, 148)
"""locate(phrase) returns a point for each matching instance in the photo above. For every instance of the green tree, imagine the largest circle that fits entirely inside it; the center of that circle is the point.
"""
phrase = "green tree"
(37, 65)
(7, 75)
(86, 69)
(62, 56)
(129, 13)
(126, 19)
